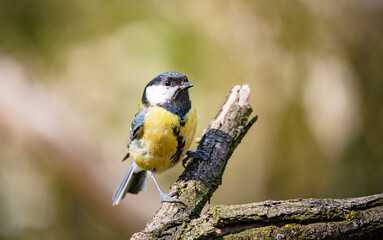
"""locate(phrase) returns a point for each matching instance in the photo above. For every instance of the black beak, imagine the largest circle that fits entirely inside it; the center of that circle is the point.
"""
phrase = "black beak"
(186, 85)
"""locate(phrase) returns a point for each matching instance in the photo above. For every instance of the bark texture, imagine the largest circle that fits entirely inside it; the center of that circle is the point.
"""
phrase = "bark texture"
(299, 218)
(353, 218)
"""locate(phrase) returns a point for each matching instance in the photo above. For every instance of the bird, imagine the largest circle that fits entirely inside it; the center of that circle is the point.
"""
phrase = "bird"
(160, 135)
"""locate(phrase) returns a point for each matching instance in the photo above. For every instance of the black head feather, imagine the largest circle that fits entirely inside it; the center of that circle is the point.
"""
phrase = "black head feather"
(180, 104)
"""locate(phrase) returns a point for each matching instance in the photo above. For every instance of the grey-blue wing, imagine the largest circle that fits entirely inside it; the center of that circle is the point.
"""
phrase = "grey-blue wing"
(136, 127)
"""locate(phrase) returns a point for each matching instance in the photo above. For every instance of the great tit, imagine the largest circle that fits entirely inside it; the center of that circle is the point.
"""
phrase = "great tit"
(160, 135)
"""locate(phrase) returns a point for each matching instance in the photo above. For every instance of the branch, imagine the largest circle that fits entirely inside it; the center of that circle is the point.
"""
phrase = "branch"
(201, 178)
(299, 218)
(353, 218)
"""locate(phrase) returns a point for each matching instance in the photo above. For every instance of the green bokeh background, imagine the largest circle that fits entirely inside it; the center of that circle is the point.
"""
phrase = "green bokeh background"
(72, 73)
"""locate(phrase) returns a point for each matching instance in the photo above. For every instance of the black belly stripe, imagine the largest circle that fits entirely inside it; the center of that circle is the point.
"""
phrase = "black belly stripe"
(182, 121)
(180, 146)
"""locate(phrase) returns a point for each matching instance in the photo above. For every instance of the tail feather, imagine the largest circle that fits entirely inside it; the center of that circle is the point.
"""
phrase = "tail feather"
(134, 181)
(138, 183)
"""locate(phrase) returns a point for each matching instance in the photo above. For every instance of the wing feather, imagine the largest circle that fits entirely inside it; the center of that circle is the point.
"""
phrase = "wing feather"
(136, 127)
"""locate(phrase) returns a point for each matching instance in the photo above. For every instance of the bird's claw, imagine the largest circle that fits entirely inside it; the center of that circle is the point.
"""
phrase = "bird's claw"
(168, 198)
(200, 154)
(172, 194)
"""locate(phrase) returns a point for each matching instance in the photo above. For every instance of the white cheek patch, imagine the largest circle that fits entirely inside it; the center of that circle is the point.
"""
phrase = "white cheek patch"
(160, 94)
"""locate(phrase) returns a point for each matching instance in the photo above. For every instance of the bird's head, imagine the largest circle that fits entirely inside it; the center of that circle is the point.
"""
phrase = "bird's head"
(167, 88)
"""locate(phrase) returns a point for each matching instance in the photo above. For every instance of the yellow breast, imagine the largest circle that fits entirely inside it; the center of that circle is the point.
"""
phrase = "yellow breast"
(157, 142)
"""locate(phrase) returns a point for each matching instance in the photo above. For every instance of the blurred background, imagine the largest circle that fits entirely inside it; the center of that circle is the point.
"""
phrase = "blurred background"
(72, 74)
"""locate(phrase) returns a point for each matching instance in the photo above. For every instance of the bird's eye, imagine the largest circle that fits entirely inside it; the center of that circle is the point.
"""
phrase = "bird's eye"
(167, 83)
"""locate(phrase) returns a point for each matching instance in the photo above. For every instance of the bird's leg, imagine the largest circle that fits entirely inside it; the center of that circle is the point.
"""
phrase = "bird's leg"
(200, 154)
(165, 197)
